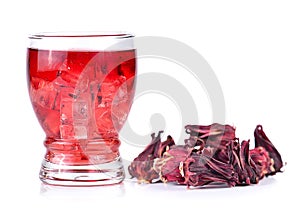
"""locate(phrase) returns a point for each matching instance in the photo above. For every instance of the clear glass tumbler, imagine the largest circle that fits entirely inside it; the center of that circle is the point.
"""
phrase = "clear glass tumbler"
(81, 87)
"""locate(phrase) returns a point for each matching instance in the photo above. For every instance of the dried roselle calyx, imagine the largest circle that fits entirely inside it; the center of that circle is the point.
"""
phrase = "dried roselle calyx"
(163, 146)
(215, 135)
(223, 152)
(248, 164)
(195, 142)
(142, 166)
(261, 140)
(143, 171)
(170, 166)
(235, 161)
(242, 163)
(262, 160)
(223, 132)
(212, 154)
(203, 170)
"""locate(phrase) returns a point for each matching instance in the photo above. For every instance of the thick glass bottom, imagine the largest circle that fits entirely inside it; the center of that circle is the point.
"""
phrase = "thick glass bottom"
(82, 175)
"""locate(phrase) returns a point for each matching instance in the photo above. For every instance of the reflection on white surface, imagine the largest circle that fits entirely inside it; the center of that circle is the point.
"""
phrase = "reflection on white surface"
(108, 191)
(131, 189)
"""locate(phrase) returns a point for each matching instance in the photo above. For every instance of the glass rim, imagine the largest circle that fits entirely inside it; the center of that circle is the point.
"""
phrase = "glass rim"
(82, 40)
(81, 34)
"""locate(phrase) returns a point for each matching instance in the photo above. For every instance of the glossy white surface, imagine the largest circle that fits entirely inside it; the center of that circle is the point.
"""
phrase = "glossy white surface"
(253, 47)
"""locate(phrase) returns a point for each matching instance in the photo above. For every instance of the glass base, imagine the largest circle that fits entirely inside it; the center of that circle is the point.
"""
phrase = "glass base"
(82, 175)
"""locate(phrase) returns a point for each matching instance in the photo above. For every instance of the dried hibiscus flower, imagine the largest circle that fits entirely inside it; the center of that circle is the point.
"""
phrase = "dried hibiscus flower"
(142, 166)
(212, 154)
(261, 140)
(170, 165)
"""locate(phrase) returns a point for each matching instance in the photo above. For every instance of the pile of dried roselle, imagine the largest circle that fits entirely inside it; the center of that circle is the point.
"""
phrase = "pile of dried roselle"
(211, 155)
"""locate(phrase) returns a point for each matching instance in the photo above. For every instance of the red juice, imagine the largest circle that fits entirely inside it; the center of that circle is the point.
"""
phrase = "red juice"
(81, 99)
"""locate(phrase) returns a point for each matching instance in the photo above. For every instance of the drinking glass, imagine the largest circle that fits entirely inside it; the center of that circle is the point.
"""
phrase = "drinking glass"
(81, 86)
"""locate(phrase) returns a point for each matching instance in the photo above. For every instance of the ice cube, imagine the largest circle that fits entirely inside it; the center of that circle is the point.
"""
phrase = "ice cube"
(45, 95)
(66, 118)
(74, 118)
(66, 111)
(51, 123)
(60, 83)
(104, 119)
(95, 93)
(73, 132)
(82, 84)
(66, 132)
(75, 78)
(119, 114)
(109, 88)
(49, 60)
(80, 111)
(121, 94)
(68, 74)
(107, 93)
(80, 131)
(69, 78)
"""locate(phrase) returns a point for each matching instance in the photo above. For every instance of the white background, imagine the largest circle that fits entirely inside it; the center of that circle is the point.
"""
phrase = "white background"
(252, 46)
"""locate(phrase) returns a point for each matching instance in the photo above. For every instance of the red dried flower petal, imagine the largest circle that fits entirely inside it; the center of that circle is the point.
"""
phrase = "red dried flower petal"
(203, 170)
(262, 140)
(170, 165)
(212, 154)
(142, 167)
(262, 160)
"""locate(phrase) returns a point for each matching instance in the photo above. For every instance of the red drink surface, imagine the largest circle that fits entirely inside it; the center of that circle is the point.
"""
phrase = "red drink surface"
(80, 97)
